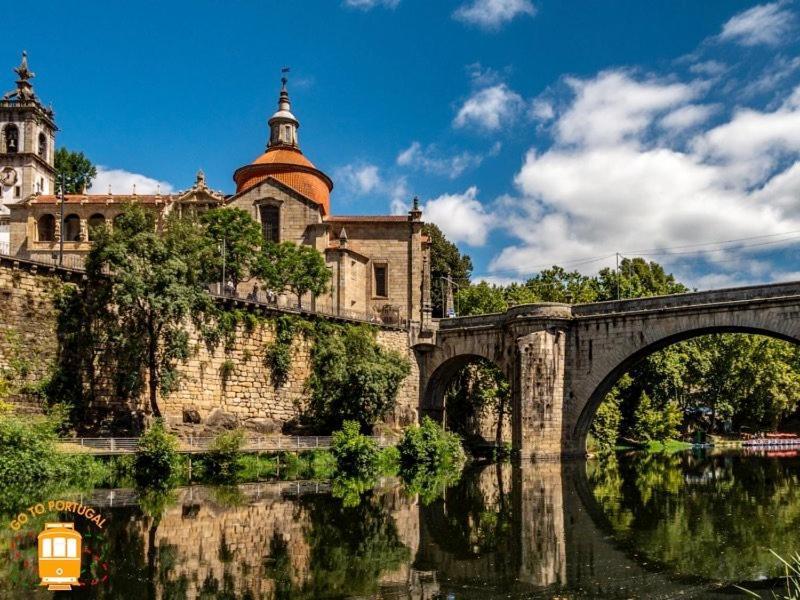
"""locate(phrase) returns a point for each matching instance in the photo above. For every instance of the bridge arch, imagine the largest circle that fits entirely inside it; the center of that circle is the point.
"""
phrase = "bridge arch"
(610, 367)
(435, 389)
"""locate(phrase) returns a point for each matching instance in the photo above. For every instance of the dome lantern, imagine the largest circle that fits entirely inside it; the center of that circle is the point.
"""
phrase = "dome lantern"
(283, 125)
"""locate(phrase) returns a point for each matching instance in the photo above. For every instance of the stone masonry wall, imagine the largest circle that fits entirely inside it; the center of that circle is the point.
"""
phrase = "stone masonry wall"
(28, 324)
(223, 386)
(240, 389)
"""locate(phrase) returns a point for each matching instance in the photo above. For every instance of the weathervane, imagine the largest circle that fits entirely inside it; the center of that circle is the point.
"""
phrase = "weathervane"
(284, 78)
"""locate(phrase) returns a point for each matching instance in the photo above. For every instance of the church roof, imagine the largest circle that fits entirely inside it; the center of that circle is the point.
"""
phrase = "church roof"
(284, 162)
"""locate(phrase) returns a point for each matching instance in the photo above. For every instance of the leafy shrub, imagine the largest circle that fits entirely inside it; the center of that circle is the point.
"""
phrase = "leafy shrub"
(430, 445)
(157, 460)
(355, 454)
(431, 459)
(27, 451)
(353, 377)
(222, 461)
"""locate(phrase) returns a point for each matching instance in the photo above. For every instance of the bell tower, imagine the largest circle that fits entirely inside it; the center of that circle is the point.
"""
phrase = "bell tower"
(27, 142)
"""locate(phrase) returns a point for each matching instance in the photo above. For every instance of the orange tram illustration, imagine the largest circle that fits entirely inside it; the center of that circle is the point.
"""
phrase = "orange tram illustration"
(60, 556)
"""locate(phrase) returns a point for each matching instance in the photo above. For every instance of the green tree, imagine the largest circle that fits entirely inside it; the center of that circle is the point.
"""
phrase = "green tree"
(446, 261)
(558, 285)
(606, 423)
(353, 378)
(656, 423)
(480, 299)
(236, 237)
(143, 288)
(297, 269)
(77, 171)
(637, 279)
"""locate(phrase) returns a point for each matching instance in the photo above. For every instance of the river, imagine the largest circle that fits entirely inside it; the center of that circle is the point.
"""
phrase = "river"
(639, 526)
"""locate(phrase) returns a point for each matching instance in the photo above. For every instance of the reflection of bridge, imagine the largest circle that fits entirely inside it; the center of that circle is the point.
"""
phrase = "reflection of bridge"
(561, 360)
(557, 541)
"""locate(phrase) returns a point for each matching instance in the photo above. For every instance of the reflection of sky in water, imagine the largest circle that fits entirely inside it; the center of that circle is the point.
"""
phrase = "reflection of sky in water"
(642, 526)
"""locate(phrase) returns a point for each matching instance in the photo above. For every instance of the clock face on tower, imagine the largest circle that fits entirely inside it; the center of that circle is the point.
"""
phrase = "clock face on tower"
(8, 176)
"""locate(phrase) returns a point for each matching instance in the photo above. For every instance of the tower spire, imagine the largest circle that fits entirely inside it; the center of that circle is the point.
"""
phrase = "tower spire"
(283, 125)
(24, 89)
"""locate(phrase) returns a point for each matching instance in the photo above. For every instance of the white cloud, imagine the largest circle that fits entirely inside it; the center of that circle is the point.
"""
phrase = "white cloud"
(765, 24)
(400, 196)
(122, 182)
(688, 116)
(461, 217)
(711, 68)
(609, 182)
(493, 14)
(542, 110)
(359, 179)
(370, 4)
(490, 108)
(613, 107)
(429, 160)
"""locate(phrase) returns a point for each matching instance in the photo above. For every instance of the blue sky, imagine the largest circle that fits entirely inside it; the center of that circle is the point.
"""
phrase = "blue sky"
(534, 131)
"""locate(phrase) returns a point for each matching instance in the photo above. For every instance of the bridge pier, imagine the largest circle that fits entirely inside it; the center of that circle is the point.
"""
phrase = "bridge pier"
(538, 393)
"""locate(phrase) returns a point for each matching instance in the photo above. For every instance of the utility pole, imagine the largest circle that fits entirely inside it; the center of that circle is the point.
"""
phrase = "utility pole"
(617, 275)
(61, 235)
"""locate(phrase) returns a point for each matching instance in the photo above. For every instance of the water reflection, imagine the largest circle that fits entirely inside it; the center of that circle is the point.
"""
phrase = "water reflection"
(640, 526)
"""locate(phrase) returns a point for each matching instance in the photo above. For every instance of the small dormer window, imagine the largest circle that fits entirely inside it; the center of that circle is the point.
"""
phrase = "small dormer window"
(42, 146)
(12, 138)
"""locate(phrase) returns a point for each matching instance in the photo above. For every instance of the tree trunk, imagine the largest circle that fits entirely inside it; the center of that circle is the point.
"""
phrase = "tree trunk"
(152, 364)
(501, 411)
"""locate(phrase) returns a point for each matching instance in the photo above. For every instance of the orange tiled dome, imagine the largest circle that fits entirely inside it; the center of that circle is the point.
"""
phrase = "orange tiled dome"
(289, 166)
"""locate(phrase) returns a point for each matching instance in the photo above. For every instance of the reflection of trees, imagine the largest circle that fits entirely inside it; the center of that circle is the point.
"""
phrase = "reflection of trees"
(714, 517)
(472, 524)
(351, 547)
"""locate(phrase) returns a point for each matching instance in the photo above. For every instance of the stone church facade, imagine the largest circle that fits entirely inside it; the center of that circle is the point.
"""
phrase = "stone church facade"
(380, 268)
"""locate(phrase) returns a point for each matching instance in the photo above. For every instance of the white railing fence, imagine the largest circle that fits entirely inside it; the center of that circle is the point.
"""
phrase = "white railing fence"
(276, 443)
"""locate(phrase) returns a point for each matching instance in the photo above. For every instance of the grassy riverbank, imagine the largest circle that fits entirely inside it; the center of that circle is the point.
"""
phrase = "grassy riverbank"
(32, 465)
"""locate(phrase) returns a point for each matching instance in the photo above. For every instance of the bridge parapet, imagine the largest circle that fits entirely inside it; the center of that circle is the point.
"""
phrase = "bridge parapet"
(716, 297)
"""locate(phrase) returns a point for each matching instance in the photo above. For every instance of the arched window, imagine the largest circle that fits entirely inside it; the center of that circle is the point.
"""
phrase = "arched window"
(42, 146)
(12, 138)
(46, 228)
(72, 228)
(96, 221)
(270, 222)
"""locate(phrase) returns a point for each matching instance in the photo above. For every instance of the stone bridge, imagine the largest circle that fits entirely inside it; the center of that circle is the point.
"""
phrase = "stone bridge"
(561, 359)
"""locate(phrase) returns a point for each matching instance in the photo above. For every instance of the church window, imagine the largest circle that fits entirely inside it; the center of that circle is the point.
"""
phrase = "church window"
(96, 221)
(12, 138)
(46, 228)
(270, 222)
(72, 228)
(42, 146)
(381, 277)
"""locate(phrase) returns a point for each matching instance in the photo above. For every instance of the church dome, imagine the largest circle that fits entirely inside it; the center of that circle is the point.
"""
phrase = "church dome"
(284, 162)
